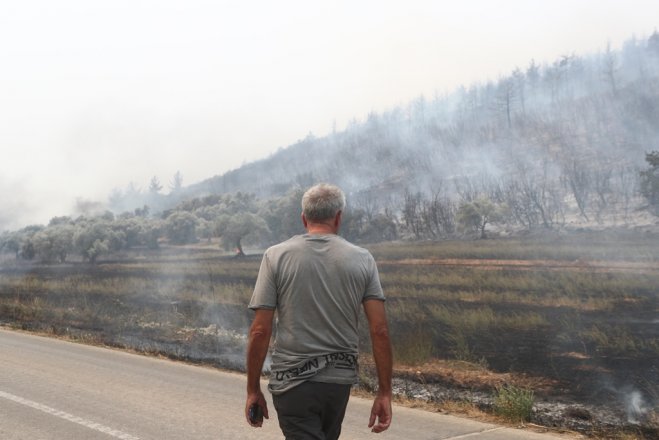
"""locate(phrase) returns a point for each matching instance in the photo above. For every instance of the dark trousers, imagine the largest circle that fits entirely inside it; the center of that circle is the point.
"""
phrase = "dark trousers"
(312, 410)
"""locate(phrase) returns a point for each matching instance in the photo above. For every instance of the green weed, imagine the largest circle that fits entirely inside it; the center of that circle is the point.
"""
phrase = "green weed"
(513, 403)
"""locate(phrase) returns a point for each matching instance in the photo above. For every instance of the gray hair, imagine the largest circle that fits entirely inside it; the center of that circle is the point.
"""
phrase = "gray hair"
(322, 202)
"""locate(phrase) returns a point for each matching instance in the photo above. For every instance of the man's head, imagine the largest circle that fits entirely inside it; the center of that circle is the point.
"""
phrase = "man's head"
(323, 204)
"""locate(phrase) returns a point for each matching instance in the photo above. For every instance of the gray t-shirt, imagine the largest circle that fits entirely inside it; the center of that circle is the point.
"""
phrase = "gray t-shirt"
(317, 284)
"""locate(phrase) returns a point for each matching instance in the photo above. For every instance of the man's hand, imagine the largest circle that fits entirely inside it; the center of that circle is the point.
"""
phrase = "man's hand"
(377, 322)
(381, 411)
(256, 398)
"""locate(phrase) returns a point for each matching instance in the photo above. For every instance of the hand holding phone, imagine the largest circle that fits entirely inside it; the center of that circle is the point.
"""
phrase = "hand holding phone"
(255, 414)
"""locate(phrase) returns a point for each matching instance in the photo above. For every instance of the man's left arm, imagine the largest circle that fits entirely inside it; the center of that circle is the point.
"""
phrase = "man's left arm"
(381, 411)
(257, 349)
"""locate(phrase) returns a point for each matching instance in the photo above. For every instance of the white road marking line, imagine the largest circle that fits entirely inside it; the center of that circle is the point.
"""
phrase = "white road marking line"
(473, 434)
(70, 417)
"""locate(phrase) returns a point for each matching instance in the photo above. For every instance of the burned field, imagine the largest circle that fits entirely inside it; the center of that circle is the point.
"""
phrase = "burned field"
(572, 317)
(591, 343)
(181, 303)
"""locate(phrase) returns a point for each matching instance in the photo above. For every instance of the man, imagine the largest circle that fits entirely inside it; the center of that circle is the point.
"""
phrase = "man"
(317, 283)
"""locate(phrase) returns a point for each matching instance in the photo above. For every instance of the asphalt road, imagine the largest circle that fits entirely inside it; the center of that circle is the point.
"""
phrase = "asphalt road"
(52, 389)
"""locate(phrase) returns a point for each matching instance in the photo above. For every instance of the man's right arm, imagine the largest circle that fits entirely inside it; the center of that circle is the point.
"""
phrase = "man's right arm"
(379, 330)
(257, 349)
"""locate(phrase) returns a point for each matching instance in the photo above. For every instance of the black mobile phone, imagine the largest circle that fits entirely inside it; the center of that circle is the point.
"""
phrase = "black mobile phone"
(255, 413)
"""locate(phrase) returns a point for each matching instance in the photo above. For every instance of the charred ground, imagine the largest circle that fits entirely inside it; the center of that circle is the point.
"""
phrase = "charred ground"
(569, 316)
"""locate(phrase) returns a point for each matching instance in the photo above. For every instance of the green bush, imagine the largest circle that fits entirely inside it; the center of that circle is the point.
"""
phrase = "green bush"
(513, 403)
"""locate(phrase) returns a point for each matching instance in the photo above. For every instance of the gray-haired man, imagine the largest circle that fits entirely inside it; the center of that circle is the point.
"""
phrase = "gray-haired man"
(317, 283)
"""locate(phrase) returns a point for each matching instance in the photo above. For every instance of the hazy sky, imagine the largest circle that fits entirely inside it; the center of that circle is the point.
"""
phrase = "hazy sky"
(95, 94)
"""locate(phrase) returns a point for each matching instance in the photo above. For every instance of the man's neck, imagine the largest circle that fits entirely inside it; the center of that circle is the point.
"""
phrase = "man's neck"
(323, 227)
(320, 229)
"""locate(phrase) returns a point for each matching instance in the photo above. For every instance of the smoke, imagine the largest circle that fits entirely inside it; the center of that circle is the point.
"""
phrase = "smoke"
(88, 207)
(18, 208)
(24, 204)
(635, 406)
(26, 201)
(634, 403)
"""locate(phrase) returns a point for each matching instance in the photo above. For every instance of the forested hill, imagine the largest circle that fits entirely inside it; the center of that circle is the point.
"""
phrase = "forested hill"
(577, 128)
(573, 143)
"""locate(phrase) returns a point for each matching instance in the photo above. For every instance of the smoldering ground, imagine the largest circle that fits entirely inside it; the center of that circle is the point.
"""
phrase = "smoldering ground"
(589, 328)
(585, 330)
(181, 304)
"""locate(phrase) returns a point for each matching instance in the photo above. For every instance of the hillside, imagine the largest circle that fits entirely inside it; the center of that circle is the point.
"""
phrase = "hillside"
(565, 145)
(578, 127)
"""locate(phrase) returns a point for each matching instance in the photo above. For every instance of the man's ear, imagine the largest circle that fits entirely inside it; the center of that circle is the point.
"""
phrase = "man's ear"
(304, 220)
(337, 219)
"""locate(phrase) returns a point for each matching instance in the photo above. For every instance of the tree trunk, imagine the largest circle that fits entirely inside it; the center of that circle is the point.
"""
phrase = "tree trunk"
(483, 234)
(239, 249)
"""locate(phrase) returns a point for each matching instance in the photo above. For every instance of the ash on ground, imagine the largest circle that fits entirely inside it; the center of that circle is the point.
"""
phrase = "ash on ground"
(563, 415)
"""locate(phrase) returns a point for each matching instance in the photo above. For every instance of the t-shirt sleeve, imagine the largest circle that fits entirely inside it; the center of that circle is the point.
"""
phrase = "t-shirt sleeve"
(373, 286)
(265, 290)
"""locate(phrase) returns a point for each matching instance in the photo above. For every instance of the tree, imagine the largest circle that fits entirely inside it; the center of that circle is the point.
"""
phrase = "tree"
(98, 247)
(379, 228)
(519, 80)
(352, 224)
(577, 177)
(154, 185)
(11, 242)
(180, 227)
(533, 78)
(126, 200)
(533, 74)
(136, 230)
(533, 196)
(54, 243)
(506, 96)
(154, 198)
(653, 44)
(650, 181)
(282, 215)
(234, 228)
(20, 242)
(601, 177)
(438, 215)
(475, 216)
(142, 212)
(205, 229)
(412, 213)
(94, 238)
(610, 69)
(367, 202)
(177, 183)
(152, 233)
(627, 182)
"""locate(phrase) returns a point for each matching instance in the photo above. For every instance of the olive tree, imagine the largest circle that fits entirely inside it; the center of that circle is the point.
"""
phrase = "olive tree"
(11, 242)
(54, 243)
(20, 242)
(180, 227)
(138, 230)
(282, 215)
(93, 238)
(233, 229)
(476, 215)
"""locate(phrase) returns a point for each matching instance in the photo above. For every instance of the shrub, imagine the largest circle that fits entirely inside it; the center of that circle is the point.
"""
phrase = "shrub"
(513, 403)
